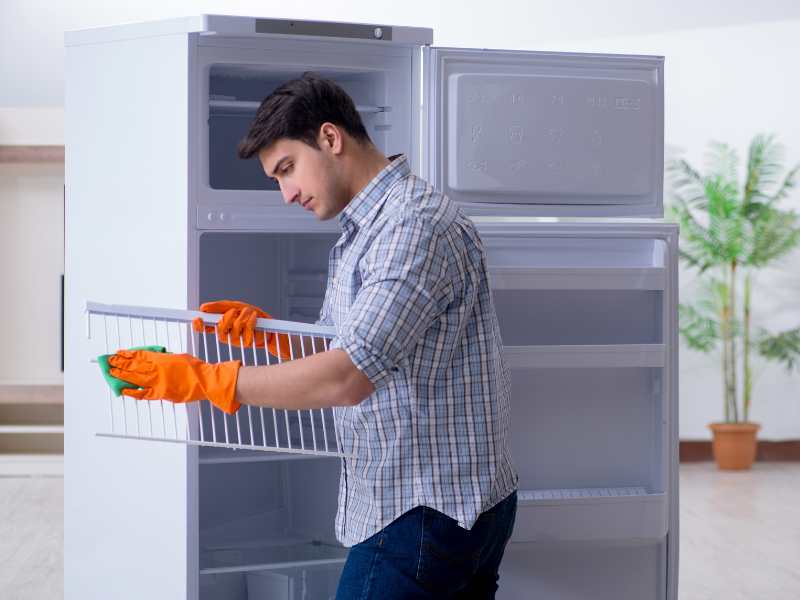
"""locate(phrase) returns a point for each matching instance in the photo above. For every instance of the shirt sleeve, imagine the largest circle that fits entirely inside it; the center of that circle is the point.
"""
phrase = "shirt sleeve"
(404, 289)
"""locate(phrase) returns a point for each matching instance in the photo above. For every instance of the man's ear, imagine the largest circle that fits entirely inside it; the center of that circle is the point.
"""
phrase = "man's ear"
(331, 138)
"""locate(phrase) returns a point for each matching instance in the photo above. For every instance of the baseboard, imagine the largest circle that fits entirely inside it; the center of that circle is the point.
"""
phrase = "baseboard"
(767, 451)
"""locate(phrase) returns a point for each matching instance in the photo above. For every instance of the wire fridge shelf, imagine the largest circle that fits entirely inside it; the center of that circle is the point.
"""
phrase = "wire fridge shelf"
(201, 423)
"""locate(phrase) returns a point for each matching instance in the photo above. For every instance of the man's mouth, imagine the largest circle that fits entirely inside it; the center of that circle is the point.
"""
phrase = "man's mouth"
(305, 204)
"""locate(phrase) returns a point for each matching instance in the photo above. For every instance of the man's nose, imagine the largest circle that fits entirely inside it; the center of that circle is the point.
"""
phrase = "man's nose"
(290, 194)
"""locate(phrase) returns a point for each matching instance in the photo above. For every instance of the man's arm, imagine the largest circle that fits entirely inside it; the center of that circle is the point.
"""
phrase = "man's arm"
(317, 381)
(404, 290)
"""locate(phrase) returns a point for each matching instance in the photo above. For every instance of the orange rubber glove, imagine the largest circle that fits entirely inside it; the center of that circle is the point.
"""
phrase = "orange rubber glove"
(177, 377)
(238, 323)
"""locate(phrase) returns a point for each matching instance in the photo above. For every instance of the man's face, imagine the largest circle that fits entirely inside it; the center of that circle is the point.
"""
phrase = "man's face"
(307, 176)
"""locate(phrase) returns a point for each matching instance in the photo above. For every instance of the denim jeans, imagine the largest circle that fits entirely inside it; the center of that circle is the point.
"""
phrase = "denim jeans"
(426, 554)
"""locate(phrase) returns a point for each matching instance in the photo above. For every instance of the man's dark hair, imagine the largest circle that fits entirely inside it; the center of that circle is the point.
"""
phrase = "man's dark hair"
(297, 109)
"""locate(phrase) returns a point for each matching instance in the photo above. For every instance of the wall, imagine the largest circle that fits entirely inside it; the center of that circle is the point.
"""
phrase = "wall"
(31, 30)
(722, 83)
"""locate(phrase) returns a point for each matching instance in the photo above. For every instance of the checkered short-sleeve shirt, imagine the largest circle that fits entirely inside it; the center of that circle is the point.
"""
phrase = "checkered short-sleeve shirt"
(409, 297)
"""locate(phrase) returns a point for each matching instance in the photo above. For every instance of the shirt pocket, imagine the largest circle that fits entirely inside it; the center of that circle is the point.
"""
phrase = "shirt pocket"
(338, 304)
(345, 286)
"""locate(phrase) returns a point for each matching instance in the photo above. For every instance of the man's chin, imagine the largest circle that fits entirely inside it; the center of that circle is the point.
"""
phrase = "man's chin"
(325, 216)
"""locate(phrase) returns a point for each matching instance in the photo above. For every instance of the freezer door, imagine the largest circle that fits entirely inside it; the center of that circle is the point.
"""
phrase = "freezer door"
(544, 133)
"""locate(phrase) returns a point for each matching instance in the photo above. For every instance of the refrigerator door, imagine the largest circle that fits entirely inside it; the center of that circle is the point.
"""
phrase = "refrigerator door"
(587, 313)
(544, 133)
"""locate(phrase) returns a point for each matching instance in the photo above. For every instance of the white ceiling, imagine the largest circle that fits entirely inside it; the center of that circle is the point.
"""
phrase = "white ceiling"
(31, 31)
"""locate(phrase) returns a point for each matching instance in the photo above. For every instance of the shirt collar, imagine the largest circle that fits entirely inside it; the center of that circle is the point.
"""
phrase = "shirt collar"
(365, 205)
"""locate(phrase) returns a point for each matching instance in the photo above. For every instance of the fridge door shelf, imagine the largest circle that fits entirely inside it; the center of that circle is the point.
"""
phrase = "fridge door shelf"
(580, 317)
(590, 514)
(577, 278)
(585, 356)
(571, 262)
(307, 432)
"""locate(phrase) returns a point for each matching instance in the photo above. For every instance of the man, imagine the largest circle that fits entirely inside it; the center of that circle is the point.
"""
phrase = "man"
(415, 373)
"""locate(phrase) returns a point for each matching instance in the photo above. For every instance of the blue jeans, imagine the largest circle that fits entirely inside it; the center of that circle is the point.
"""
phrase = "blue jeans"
(426, 554)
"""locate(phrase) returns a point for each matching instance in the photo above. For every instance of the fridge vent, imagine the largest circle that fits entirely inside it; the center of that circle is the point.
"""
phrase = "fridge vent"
(200, 423)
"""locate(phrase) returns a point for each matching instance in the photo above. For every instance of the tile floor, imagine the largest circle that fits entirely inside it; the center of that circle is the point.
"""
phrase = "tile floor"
(740, 533)
(31, 537)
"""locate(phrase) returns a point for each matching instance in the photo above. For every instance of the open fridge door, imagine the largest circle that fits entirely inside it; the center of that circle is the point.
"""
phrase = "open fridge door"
(558, 158)
(543, 133)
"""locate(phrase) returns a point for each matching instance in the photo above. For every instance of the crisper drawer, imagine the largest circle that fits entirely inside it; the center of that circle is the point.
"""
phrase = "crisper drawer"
(279, 542)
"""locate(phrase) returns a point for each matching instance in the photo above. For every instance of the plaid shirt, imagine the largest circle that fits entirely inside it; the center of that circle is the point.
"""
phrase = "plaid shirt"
(409, 297)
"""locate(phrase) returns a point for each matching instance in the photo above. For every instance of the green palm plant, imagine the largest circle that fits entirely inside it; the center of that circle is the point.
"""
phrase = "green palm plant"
(728, 231)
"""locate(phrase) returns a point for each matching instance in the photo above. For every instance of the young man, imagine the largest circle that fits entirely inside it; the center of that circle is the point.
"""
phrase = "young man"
(415, 373)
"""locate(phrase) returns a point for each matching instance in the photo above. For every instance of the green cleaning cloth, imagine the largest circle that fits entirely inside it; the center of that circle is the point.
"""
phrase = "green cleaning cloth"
(116, 384)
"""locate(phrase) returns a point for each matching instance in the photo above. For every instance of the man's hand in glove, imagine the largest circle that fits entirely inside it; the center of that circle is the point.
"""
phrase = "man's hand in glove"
(177, 377)
(238, 325)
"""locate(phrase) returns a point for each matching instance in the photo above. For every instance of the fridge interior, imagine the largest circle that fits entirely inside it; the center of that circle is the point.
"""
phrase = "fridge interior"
(583, 315)
(590, 428)
(269, 524)
(279, 541)
(283, 273)
(382, 98)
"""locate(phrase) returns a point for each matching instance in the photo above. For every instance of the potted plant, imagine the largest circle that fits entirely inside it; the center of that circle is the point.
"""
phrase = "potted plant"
(728, 232)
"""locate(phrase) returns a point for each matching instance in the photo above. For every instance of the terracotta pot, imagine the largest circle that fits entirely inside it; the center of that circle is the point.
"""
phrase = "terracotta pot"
(734, 445)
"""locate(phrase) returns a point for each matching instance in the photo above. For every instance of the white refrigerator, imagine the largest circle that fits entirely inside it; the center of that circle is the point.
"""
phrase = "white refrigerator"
(558, 158)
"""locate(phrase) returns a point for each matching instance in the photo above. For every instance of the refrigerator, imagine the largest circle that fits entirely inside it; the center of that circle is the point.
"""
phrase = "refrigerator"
(558, 159)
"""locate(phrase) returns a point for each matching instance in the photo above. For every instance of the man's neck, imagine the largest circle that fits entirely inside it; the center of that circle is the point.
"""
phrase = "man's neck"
(365, 168)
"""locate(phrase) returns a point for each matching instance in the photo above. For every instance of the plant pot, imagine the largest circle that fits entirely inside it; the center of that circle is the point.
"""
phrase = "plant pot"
(734, 445)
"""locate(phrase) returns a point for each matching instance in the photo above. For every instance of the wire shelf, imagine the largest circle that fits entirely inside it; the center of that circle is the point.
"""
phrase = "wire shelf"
(201, 423)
